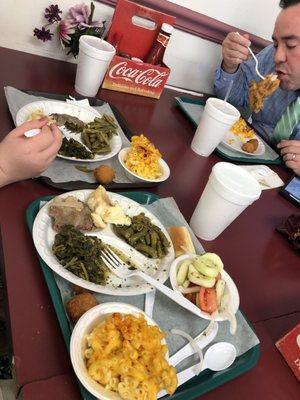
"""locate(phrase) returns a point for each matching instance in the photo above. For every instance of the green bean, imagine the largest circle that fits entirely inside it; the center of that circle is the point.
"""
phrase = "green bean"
(148, 239)
(136, 236)
(154, 237)
(147, 250)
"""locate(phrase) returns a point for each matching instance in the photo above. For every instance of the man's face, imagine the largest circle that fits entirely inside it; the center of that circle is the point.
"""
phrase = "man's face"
(286, 38)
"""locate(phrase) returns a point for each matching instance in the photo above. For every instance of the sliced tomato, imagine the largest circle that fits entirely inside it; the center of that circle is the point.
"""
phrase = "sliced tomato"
(207, 299)
(191, 297)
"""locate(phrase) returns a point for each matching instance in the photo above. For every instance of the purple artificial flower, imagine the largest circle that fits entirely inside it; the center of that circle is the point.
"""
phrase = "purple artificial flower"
(79, 15)
(52, 13)
(43, 34)
(65, 29)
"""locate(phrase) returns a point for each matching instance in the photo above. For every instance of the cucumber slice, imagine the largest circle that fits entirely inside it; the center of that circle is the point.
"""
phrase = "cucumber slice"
(198, 279)
(182, 271)
(212, 260)
(186, 284)
(220, 288)
(208, 270)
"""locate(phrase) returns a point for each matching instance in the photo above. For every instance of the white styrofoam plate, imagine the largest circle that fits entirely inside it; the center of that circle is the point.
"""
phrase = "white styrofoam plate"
(233, 142)
(83, 113)
(43, 237)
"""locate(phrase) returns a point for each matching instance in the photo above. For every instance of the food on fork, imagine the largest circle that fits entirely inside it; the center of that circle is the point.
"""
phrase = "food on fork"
(142, 158)
(104, 174)
(250, 146)
(79, 304)
(259, 90)
(181, 239)
(126, 355)
(70, 211)
(144, 236)
(104, 210)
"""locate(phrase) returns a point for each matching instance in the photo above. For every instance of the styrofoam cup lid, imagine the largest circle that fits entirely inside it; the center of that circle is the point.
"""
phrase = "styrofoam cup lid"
(222, 111)
(96, 47)
(234, 183)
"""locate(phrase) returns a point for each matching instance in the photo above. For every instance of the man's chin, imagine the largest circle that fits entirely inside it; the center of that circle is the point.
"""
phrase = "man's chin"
(286, 85)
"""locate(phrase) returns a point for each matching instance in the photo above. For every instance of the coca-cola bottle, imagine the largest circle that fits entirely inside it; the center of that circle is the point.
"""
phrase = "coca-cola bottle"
(157, 51)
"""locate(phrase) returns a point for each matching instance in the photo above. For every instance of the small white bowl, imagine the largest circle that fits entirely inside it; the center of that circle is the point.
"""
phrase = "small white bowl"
(136, 178)
(78, 344)
(229, 288)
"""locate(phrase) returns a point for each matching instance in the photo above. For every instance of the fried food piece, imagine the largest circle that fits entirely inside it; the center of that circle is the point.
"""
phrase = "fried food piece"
(79, 304)
(78, 289)
(250, 146)
(104, 174)
(259, 90)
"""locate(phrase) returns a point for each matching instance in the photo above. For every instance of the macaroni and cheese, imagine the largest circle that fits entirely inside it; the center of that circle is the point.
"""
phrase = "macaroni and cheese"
(126, 355)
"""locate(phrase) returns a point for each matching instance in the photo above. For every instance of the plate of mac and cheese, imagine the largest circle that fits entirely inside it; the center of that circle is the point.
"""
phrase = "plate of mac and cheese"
(118, 352)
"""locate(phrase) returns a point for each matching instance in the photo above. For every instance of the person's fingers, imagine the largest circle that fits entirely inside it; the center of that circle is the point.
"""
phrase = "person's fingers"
(26, 126)
(43, 140)
(285, 143)
(291, 157)
(289, 149)
(235, 37)
(232, 54)
(51, 151)
(294, 165)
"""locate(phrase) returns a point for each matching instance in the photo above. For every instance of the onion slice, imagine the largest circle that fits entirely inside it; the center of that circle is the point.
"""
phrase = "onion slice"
(192, 289)
(196, 348)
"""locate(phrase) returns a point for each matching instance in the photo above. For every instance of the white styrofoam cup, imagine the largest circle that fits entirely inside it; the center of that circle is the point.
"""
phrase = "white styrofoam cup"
(217, 118)
(229, 190)
(94, 58)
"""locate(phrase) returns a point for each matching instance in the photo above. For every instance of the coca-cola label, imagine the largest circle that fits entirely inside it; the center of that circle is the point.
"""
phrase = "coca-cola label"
(135, 77)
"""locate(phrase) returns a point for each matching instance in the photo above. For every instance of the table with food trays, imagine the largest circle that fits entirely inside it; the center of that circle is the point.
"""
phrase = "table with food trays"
(260, 261)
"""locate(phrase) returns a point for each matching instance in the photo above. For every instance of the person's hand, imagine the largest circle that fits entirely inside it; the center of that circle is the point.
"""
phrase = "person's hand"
(24, 157)
(234, 51)
(290, 151)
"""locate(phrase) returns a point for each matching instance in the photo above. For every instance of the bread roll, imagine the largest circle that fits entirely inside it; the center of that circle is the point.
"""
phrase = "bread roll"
(181, 240)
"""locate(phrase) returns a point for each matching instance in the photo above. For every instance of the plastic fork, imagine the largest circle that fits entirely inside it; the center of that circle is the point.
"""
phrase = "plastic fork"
(121, 269)
(256, 62)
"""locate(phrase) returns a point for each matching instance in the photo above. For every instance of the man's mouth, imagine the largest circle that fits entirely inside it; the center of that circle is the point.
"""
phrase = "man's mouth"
(281, 74)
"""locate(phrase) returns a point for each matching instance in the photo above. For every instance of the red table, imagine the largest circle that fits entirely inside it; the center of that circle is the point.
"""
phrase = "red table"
(261, 262)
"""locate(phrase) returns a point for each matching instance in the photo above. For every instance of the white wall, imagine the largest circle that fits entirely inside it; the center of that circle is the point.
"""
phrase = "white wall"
(192, 60)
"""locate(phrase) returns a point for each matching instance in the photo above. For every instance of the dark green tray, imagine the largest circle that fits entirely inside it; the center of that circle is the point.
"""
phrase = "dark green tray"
(207, 380)
(194, 116)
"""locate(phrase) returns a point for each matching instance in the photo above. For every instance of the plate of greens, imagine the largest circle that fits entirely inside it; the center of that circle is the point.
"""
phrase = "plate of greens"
(88, 136)
(74, 253)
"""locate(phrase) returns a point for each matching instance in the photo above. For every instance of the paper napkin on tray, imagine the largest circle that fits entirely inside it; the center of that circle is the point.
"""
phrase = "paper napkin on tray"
(265, 176)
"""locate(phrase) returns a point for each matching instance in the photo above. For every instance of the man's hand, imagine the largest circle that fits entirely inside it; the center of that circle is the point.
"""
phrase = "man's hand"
(24, 157)
(234, 51)
(290, 151)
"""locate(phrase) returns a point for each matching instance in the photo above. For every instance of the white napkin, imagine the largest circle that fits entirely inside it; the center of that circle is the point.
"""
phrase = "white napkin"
(265, 176)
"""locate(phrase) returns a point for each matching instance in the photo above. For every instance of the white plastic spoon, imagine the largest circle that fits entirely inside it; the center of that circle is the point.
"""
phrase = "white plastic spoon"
(217, 358)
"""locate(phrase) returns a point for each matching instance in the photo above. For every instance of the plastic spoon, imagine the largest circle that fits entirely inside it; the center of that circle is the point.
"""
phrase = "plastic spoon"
(217, 358)
(228, 91)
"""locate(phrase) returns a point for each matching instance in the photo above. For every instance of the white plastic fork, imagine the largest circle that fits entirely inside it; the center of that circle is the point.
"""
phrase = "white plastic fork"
(121, 269)
(256, 61)
(256, 64)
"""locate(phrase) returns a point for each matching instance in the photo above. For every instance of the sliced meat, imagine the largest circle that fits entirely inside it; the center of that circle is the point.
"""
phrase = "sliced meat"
(70, 211)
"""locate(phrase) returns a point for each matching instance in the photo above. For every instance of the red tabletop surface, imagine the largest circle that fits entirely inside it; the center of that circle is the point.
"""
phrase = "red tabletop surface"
(262, 263)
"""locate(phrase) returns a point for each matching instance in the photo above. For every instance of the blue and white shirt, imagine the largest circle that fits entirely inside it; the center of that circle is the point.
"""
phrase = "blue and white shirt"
(264, 122)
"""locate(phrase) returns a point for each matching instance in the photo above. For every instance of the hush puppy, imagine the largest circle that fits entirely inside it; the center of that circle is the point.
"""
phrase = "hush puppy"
(104, 174)
(79, 304)
(250, 146)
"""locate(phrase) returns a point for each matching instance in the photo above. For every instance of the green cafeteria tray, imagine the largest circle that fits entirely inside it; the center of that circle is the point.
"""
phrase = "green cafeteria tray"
(193, 108)
(192, 389)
